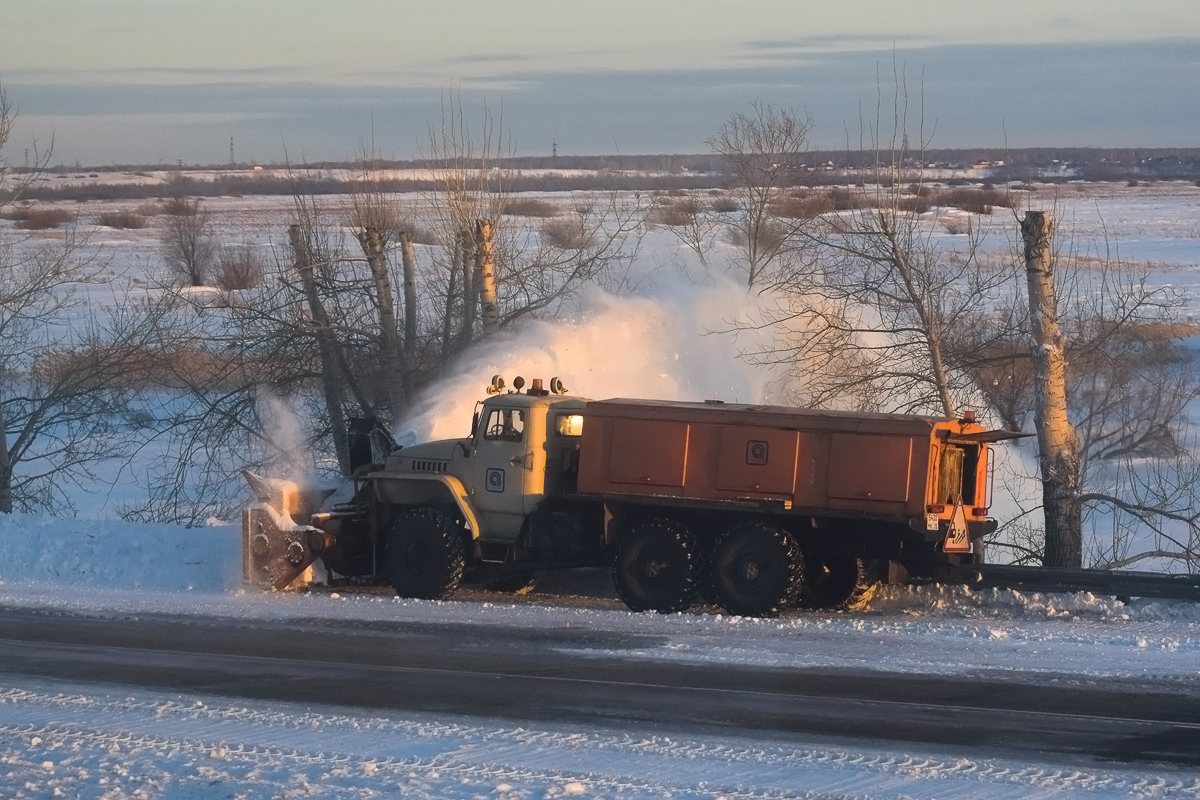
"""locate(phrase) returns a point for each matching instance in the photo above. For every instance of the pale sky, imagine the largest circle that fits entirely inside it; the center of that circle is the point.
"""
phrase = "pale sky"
(146, 81)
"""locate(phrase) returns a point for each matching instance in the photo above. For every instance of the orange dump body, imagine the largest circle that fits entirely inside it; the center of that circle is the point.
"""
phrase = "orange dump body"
(825, 463)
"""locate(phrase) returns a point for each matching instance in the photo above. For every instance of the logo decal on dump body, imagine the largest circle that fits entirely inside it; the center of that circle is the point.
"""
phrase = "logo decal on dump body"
(494, 480)
(756, 453)
(958, 540)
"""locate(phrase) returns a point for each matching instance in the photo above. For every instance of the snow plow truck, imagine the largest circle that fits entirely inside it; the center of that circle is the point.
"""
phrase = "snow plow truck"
(755, 508)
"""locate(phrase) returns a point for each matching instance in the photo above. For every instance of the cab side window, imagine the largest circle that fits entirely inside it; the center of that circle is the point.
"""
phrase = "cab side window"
(505, 425)
(569, 425)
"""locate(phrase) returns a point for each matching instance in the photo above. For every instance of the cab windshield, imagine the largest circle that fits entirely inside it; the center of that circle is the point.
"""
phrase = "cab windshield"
(505, 425)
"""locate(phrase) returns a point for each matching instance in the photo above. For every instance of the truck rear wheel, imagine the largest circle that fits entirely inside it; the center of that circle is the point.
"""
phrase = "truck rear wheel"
(425, 554)
(657, 567)
(757, 570)
(833, 583)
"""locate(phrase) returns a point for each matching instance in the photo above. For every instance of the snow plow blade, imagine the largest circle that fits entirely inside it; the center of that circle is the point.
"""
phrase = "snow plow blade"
(276, 550)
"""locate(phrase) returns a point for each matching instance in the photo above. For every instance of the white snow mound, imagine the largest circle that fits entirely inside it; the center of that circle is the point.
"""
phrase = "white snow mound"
(116, 553)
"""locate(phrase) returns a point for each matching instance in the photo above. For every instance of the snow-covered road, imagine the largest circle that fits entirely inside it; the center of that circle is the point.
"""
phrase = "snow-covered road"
(79, 742)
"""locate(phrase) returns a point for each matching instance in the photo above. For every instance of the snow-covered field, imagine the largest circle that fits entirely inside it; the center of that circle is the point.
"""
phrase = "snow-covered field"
(79, 741)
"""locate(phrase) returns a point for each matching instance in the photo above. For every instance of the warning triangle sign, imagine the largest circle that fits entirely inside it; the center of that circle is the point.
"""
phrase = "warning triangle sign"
(958, 540)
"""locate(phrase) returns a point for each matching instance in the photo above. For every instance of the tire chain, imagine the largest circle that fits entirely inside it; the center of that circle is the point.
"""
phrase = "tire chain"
(687, 543)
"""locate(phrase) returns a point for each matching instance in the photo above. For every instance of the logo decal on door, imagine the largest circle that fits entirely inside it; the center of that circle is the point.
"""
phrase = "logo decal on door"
(494, 480)
(756, 453)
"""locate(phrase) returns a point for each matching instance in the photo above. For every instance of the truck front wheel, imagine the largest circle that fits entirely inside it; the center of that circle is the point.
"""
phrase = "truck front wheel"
(657, 567)
(425, 555)
(757, 570)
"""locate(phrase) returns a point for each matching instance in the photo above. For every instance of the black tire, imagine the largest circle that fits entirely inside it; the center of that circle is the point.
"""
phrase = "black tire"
(756, 570)
(833, 583)
(425, 554)
(657, 567)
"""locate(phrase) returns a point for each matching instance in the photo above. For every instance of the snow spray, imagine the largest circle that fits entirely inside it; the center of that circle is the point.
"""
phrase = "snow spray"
(669, 342)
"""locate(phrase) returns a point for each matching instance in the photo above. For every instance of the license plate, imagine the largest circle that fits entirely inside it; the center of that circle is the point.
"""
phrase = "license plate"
(931, 522)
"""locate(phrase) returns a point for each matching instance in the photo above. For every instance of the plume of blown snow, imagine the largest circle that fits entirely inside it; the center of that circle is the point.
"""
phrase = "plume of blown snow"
(284, 429)
(672, 343)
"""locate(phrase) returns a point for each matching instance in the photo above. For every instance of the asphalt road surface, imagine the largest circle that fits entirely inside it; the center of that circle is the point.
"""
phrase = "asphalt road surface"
(549, 675)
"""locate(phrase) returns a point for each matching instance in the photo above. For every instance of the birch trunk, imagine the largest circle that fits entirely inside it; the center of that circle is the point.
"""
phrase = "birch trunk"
(485, 269)
(1058, 444)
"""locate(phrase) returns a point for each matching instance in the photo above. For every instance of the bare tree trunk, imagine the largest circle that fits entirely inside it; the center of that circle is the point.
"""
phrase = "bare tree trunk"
(1058, 444)
(448, 316)
(393, 365)
(485, 270)
(466, 252)
(409, 260)
(6, 490)
(325, 345)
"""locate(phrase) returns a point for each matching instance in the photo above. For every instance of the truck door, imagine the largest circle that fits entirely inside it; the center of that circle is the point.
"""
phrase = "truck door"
(502, 456)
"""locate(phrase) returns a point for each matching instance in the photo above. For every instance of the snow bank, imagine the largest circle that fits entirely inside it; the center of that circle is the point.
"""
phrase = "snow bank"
(1011, 604)
(113, 553)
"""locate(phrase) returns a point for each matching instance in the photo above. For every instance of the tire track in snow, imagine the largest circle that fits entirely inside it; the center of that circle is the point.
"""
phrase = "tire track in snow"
(444, 755)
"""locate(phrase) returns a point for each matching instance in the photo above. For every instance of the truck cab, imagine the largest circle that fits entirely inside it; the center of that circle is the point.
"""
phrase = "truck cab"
(523, 447)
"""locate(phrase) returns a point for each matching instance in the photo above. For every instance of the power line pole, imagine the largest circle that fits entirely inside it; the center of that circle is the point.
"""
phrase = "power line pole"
(231, 159)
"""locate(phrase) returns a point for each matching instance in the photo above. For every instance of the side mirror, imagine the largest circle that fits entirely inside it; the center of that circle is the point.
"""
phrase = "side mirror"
(474, 424)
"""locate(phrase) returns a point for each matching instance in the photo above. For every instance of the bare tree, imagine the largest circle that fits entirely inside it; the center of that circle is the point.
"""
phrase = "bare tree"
(695, 226)
(231, 369)
(1058, 444)
(763, 148)
(531, 272)
(13, 182)
(322, 333)
(239, 267)
(189, 246)
(65, 403)
(377, 227)
(7, 119)
(66, 376)
(1128, 386)
(471, 185)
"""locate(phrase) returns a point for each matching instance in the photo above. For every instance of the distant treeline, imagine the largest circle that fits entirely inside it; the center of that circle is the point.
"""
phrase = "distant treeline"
(1129, 158)
(650, 173)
